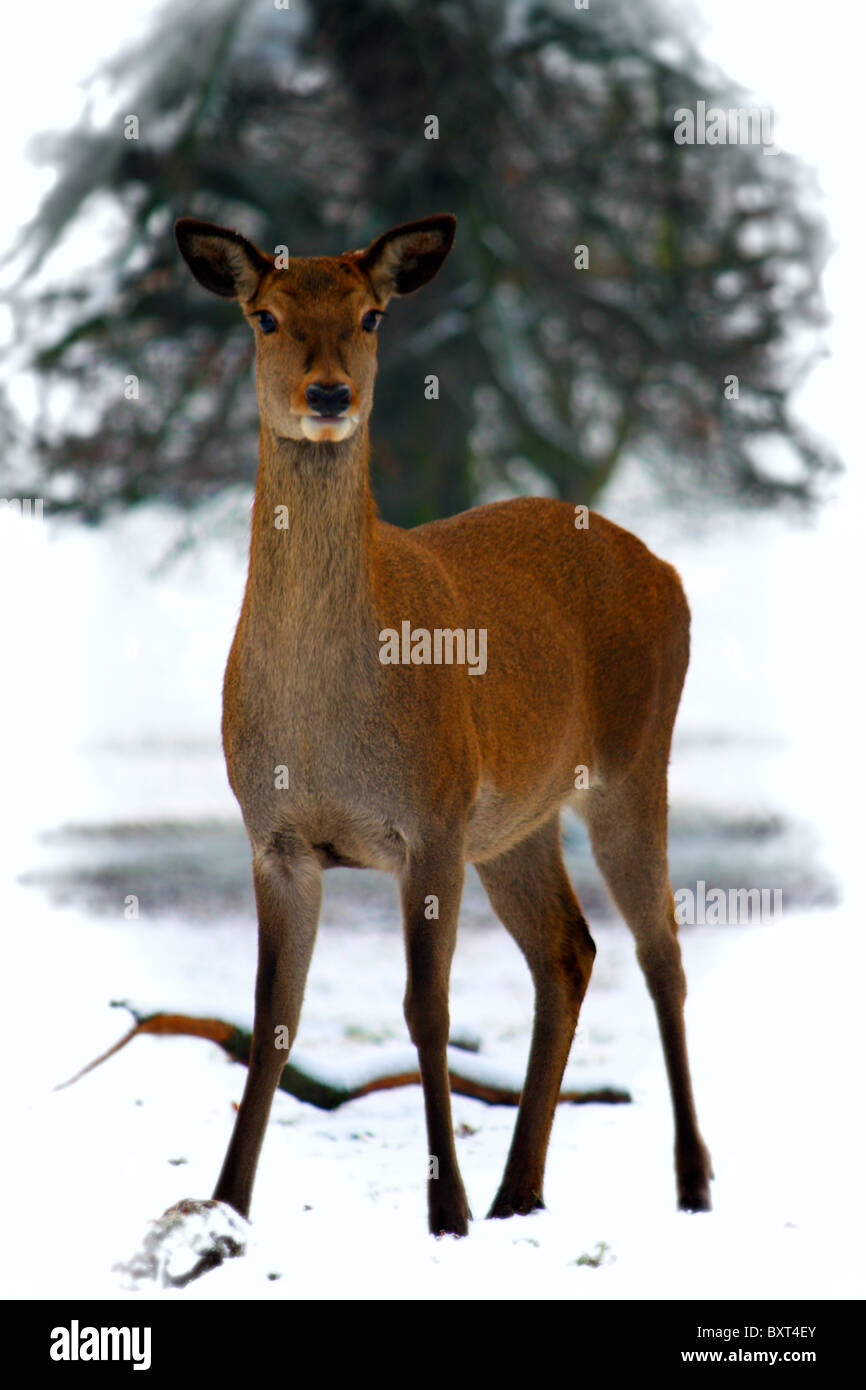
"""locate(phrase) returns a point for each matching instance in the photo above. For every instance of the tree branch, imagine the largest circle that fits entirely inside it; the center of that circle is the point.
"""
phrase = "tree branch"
(470, 1075)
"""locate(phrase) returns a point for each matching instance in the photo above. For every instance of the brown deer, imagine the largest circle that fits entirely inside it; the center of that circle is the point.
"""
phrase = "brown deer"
(348, 743)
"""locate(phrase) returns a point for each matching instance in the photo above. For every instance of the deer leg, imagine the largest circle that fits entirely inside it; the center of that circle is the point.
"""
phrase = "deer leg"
(431, 889)
(628, 831)
(530, 892)
(288, 898)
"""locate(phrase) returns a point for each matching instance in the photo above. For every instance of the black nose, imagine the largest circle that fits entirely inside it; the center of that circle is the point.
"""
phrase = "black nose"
(328, 400)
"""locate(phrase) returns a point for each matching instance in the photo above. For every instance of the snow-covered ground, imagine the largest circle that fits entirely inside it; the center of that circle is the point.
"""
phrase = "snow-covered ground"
(339, 1205)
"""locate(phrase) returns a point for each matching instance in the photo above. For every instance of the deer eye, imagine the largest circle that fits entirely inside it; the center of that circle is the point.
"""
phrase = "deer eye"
(267, 322)
(371, 320)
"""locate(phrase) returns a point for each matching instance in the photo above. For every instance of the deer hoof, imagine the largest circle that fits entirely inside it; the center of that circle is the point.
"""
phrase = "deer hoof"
(507, 1204)
(695, 1196)
(450, 1218)
(694, 1172)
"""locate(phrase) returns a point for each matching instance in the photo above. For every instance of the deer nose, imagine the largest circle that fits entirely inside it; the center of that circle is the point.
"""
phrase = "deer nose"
(328, 400)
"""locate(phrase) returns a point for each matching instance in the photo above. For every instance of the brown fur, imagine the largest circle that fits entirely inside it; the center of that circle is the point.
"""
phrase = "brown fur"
(416, 769)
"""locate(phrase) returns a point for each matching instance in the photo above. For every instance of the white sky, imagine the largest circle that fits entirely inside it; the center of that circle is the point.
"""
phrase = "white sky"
(50, 49)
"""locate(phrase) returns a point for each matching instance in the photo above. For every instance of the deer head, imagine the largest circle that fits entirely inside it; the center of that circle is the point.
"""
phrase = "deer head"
(315, 321)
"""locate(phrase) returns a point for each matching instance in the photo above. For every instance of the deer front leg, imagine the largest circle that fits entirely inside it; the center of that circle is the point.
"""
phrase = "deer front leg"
(431, 888)
(288, 899)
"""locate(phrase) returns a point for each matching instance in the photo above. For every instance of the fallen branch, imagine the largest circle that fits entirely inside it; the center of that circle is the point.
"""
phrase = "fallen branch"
(470, 1075)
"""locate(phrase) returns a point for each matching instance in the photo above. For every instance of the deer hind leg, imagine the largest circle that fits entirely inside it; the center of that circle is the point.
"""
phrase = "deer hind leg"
(628, 832)
(531, 894)
(431, 887)
(288, 889)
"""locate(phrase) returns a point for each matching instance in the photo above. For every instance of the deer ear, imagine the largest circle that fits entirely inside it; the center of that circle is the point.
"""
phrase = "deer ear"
(223, 261)
(407, 257)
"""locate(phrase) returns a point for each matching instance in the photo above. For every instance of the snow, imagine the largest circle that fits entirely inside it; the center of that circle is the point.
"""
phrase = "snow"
(339, 1206)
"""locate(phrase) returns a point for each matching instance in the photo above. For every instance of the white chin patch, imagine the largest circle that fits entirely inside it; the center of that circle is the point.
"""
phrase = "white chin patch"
(328, 431)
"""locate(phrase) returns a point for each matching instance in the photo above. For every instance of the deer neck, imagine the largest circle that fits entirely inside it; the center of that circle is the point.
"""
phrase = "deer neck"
(312, 544)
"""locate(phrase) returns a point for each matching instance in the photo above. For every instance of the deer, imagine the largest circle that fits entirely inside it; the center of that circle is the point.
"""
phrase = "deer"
(417, 767)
